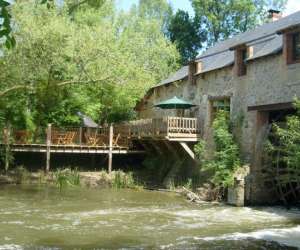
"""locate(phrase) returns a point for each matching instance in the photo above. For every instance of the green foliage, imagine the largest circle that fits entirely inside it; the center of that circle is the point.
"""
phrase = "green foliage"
(159, 10)
(124, 180)
(225, 160)
(184, 32)
(66, 177)
(6, 25)
(199, 150)
(223, 19)
(97, 61)
(6, 155)
(22, 175)
(286, 145)
(189, 184)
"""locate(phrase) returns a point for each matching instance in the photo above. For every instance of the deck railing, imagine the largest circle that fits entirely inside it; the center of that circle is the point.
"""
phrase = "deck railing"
(166, 126)
(123, 133)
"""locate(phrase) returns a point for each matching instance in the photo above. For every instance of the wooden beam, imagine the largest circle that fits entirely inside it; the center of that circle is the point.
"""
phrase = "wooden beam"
(80, 136)
(48, 149)
(188, 150)
(110, 154)
(270, 107)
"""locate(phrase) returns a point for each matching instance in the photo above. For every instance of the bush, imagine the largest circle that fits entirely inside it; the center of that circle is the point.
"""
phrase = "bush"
(124, 180)
(22, 175)
(225, 159)
(66, 177)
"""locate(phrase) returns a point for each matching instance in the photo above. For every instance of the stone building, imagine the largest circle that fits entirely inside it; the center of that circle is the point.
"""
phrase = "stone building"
(255, 75)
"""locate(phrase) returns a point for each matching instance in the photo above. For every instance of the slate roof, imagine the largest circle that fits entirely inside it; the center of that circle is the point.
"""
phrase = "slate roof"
(265, 40)
(87, 121)
(177, 76)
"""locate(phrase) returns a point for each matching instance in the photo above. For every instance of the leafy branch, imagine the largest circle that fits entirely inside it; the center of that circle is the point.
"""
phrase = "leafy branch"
(5, 26)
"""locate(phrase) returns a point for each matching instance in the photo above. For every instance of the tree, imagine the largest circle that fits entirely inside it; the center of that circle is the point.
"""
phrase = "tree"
(5, 25)
(96, 61)
(184, 32)
(159, 10)
(223, 19)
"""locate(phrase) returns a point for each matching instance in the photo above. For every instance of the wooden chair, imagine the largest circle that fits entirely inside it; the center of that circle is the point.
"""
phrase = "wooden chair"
(70, 136)
(91, 139)
(66, 138)
(116, 141)
(55, 137)
(102, 140)
(21, 136)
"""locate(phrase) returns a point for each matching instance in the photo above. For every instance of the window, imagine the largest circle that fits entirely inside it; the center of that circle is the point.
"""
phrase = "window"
(292, 47)
(240, 61)
(296, 47)
(221, 105)
(218, 105)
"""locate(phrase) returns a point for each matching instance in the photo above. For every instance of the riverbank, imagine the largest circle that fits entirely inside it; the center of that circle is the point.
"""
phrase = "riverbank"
(97, 180)
(101, 180)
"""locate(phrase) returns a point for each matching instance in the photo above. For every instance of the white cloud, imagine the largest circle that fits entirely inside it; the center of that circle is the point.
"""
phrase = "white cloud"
(292, 6)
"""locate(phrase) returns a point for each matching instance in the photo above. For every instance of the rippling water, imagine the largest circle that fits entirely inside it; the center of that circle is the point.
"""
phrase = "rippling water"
(34, 217)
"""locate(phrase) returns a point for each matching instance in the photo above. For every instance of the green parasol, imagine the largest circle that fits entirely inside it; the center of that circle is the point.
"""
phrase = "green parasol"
(174, 103)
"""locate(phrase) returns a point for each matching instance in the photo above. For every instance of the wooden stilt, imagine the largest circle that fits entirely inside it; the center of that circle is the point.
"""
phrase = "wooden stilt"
(7, 147)
(48, 143)
(188, 150)
(110, 155)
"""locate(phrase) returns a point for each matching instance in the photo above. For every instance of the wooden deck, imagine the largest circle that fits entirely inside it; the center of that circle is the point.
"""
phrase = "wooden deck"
(113, 139)
(167, 128)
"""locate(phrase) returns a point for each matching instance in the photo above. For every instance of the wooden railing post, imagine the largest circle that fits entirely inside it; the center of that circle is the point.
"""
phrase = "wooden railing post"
(110, 154)
(48, 147)
(80, 136)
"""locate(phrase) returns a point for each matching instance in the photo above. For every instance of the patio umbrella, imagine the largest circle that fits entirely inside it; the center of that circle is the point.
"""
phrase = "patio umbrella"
(174, 103)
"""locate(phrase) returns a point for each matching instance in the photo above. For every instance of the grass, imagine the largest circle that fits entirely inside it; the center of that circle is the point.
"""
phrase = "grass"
(22, 175)
(120, 179)
(66, 177)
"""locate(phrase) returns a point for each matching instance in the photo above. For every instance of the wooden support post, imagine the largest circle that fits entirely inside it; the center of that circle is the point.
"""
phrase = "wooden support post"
(48, 143)
(110, 154)
(188, 150)
(7, 147)
(80, 136)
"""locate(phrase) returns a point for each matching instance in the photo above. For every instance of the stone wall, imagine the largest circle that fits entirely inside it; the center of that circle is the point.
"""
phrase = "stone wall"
(269, 80)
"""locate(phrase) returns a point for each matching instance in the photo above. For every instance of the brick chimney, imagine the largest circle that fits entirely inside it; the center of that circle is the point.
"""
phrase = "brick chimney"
(192, 71)
(274, 15)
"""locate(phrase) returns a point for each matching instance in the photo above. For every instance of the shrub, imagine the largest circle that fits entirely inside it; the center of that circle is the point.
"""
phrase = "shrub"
(124, 180)
(225, 159)
(22, 175)
(66, 177)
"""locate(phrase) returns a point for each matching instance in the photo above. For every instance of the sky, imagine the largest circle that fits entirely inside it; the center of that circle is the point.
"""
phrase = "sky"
(292, 6)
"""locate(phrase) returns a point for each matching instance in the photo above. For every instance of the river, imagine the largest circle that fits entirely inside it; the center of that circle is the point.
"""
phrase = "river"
(39, 217)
